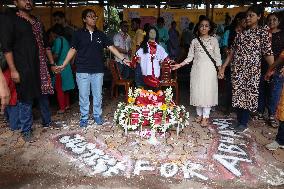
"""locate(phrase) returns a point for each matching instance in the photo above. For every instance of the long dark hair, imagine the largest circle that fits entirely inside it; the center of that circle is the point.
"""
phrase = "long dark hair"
(279, 17)
(211, 24)
(57, 29)
(259, 11)
(237, 20)
(146, 39)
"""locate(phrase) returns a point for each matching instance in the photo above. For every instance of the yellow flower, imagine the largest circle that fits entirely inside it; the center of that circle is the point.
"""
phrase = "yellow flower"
(131, 100)
(164, 107)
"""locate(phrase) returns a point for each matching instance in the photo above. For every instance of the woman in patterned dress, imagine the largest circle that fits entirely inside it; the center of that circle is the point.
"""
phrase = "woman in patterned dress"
(203, 76)
(247, 50)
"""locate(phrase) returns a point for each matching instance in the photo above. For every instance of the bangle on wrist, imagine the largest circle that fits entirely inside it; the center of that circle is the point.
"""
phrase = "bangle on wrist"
(123, 59)
(52, 65)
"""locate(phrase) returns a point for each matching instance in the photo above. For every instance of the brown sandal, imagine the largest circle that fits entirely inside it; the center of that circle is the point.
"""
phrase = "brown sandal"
(198, 119)
(204, 122)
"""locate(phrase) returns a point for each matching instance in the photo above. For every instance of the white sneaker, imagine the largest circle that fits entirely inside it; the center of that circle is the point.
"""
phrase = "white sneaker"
(274, 146)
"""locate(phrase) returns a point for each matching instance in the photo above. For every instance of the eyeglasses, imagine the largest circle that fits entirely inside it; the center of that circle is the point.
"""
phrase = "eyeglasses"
(92, 16)
(204, 26)
(251, 15)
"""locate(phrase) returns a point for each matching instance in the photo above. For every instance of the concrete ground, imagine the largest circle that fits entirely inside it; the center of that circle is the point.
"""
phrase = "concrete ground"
(103, 157)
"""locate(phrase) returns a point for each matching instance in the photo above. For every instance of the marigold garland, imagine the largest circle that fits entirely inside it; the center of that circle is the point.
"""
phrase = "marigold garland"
(149, 108)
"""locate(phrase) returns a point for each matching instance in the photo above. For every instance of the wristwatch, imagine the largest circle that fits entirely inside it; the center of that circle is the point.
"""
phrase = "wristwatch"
(52, 65)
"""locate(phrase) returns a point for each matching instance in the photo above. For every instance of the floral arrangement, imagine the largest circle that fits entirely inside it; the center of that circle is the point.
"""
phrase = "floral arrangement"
(148, 108)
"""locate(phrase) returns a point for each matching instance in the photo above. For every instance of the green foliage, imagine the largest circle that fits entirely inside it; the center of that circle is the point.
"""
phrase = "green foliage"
(112, 21)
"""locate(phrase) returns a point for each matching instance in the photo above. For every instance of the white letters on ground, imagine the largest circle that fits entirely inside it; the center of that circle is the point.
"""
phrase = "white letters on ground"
(101, 163)
(230, 154)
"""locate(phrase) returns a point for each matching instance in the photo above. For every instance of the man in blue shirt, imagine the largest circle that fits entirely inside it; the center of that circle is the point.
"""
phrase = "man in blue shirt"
(89, 43)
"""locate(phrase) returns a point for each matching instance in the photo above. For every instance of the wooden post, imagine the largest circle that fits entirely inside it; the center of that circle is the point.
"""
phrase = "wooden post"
(67, 16)
(207, 7)
(212, 10)
(159, 9)
(1, 7)
(65, 6)
(51, 12)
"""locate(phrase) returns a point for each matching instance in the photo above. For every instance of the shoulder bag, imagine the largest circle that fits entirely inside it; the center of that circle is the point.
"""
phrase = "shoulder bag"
(208, 54)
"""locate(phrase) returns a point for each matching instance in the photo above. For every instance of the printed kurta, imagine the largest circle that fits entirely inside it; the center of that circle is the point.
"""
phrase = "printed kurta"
(28, 43)
(203, 75)
(248, 49)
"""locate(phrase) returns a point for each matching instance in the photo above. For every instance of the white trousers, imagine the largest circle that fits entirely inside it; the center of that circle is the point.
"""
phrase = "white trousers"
(203, 111)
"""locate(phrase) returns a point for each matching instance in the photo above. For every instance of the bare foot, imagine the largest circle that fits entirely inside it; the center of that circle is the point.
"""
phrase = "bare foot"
(204, 122)
(198, 119)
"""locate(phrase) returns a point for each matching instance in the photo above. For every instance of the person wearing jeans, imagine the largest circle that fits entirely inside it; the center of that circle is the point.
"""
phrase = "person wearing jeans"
(26, 116)
(27, 55)
(274, 22)
(275, 94)
(84, 80)
(279, 141)
(88, 44)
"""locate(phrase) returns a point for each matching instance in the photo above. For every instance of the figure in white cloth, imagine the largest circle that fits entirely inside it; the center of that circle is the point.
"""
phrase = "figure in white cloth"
(205, 53)
(150, 55)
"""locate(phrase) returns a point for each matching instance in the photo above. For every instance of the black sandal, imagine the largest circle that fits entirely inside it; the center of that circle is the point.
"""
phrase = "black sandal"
(273, 122)
(258, 116)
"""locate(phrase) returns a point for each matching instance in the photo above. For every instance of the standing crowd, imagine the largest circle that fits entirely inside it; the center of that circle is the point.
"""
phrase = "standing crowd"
(247, 52)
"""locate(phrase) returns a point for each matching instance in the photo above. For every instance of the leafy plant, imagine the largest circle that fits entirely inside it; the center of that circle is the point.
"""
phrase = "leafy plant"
(111, 25)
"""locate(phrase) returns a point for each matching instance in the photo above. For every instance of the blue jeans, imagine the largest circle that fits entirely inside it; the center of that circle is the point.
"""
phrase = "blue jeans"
(275, 93)
(84, 81)
(124, 70)
(26, 114)
(280, 134)
(263, 95)
(242, 116)
(138, 76)
(12, 114)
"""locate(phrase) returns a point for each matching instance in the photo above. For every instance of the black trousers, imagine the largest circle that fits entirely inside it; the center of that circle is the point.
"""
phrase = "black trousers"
(280, 134)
